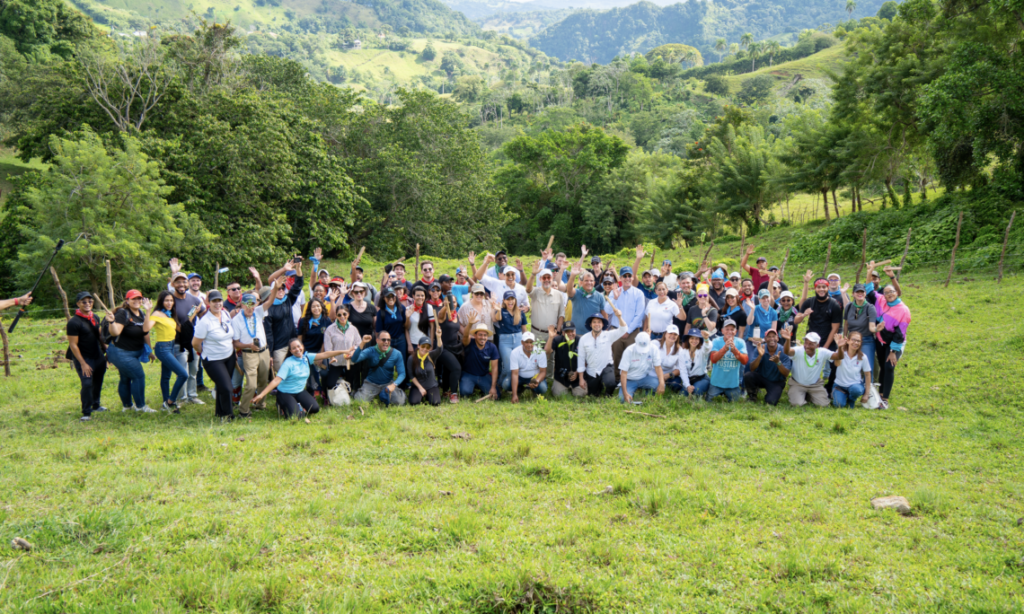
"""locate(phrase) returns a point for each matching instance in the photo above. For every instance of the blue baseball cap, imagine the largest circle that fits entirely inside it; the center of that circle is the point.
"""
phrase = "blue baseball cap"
(508, 294)
(718, 274)
(290, 273)
(626, 270)
(193, 275)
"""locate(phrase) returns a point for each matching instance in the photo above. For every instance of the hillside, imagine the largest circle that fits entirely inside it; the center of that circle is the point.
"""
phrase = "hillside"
(523, 25)
(599, 36)
(816, 66)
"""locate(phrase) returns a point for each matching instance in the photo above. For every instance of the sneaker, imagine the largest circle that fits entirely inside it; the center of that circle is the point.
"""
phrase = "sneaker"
(453, 398)
(202, 388)
(224, 419)
(128, 408)
(100, 408)
(146, 409)
(85, 418)
(883, 404)
(169, 408)
(196, 401)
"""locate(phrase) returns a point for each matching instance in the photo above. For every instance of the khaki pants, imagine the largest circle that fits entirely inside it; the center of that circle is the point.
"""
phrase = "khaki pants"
(620, 346)
(800, 394)
(279, 356)
(560, 390)
(256, 368)
(542, 339)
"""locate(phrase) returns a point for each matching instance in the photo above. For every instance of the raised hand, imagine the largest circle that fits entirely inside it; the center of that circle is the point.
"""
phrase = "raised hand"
(750, 250)
(546, 254)
(472, 258)
(334, 295)
(318, 253)
(846, 287)
(535, 267)
(808, 276)
(175, 266)
(705, 334)
(640, 251)
(840, 341)
(109, 317)
(888, 270)
(575, 269)
(583, 248)
(489, 258)
(255, 274)
(808, 312)
(147, 304)
(785, 333)
(519, 264)
(289, 266)
(367, 339)
(551, 329)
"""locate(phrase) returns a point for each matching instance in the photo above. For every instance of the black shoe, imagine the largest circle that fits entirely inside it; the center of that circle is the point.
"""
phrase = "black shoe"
(202, 388)
(100, 408)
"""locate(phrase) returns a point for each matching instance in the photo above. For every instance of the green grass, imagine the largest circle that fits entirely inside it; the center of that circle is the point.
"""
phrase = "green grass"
(811, 67)
(12, 166)
(406, 66)
(712, 508)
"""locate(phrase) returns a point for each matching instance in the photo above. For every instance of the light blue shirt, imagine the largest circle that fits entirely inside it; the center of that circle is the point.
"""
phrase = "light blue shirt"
(294, 373)
(726, 372)
(632, 303)
(583, 307)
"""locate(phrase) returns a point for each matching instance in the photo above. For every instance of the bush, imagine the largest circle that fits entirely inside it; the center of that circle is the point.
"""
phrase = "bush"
(429, 53)
(756, 89)
(716, 85)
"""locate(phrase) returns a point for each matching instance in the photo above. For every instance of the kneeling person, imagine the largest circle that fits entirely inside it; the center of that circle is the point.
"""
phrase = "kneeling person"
(769, 369)
(728, 355)
(529, 369)
(480, 368)
(384, 361)
(422, 371)
(640, 369)
(293, 400)
(808, 363)
(563, 349)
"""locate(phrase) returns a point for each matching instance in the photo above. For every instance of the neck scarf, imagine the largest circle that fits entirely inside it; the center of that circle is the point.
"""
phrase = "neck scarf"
(392, 310)
(894, 303)
(315, 321)
(340, 327)
(423, 360)
(437, 303)
(764, 312)
(692, 294)
(838, 294)
(786, 314)
(91, 317)
(279, 301)
(167, 312)
(382, 356)
(418, 308)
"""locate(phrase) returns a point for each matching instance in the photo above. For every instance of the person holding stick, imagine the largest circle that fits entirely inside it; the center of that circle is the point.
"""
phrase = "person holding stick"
(86, 353)
(20, 301)
(129, 328)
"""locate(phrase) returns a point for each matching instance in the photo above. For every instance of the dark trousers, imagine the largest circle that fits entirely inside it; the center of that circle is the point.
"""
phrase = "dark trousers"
(220, 372)
(335, 372)
(433, 396)
(289, 404)
(603, 384)
(886, 371)
(754, 382)
(91, 386)
(449, 371)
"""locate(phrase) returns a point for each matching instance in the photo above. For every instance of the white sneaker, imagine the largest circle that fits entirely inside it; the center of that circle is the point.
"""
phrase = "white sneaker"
(166, 407)
(146, 409)
(128, 408)
(196, 401)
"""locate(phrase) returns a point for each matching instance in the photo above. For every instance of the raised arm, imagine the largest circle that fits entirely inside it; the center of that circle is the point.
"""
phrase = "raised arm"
(640, 253)
(787, 334)
(746, 257)
(535, 270)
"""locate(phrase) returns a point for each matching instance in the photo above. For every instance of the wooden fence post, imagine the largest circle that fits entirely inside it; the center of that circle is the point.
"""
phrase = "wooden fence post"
(743, 240)
(1006, 239)
(782, 269)
(216, 276)
(952, 257)
(863, 254)
(903, 260)
(7, 351)
(110, 286)
(63, 295)
(828, 256)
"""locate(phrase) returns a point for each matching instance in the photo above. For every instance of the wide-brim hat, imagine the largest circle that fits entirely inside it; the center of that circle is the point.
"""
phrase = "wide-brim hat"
(479, 326)
(604, 320)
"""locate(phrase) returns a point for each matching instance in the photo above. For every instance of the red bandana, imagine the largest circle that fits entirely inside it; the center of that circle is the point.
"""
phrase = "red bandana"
(91, 317)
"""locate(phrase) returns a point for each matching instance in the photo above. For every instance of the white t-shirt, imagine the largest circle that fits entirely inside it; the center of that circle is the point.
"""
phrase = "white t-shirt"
(244, 326)
(699, 364)
(671, 281)
(528, 366)
(414, 322)
(807, 370)
(498, 287)
(851, 370)
(637, 363)
(216, 335)
(661, 314)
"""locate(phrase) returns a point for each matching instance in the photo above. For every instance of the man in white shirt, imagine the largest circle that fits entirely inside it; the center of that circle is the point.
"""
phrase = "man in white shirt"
(250, 339)
(547, 305)
(497, 288)
(667, 276)
(638, 361)
(594, 362)
(529, 368)
(808, 362)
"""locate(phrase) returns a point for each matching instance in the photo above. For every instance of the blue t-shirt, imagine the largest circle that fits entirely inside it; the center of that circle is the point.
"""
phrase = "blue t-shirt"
(478, 362)
(768, 369)
(507, 325)
(762, 320)
(726, 372)
(294, 373)
(583, 307)
(460, 292)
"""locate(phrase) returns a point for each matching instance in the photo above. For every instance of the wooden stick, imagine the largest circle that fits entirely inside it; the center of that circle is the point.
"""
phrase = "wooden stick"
(63, 295)
(863, 254)
(956, 244)
(486, 396)
(782, 269)
(551, 241)
(1006, 238)
(640, 413)
(707, 253)
(216, 276)
(110, 284)
(100, 303)
(7, 351)
(906, 248)
(654, 250)
(828, 256)
(743, 241)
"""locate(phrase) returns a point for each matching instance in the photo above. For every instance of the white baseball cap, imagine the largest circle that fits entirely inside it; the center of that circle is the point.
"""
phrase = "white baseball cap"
(508, 269)
(672, 328)
(812, 337)
(528, 337)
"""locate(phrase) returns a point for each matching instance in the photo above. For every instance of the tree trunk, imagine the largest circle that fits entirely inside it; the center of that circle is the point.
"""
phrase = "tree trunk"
(835, 203)
(824, 194)
(892, 194)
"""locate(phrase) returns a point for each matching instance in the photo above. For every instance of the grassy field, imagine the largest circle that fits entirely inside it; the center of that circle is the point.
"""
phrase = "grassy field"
(11, 166)
(713, 508)
(810, 67)
(406, 66)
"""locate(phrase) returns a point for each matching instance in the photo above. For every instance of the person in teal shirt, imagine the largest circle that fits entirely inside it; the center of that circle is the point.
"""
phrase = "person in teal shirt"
(293, 400)
(729, 356)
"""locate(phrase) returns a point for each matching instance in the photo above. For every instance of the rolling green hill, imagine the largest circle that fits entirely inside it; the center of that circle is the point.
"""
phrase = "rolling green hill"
(815, 66)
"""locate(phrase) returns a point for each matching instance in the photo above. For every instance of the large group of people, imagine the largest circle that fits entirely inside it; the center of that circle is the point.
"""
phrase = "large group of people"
(497, 328)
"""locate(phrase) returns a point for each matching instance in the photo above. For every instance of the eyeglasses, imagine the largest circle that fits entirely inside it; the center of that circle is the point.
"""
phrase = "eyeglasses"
(479, 294)
(702, 296)
(383, 340)
(235, 289)
(354, 292)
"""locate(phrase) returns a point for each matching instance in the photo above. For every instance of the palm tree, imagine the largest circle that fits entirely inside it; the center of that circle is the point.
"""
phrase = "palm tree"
(690, 56)
(720, 46)
(772, 47)
(851, 6)
(734, 48)
(746, 40)
(754, 49)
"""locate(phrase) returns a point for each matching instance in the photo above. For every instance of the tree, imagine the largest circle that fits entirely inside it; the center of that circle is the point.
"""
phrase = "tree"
(110, 205)
(429, 53)
(755, 89)
(754, 49)
(851, 6)
(720, 47)
(771, 48)
(744, 170)
(888, 10)
(746, 40)
(129, 86)
(41, 28)
(715, 84)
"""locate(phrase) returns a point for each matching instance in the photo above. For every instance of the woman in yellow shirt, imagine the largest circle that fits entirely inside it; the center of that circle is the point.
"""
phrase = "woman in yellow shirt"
(165, 327)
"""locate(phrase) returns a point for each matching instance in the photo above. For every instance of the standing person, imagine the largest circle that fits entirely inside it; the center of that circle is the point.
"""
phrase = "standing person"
(187, 309)
(320, 293)
(894, 316)
(449, 363)
(853, 371)
(250, 338)
(698, 352)
(631, 304)
(672, 281)
(500, 260)
(361, 313)
(477, 310)
(391, 319)
(420, 319)
(508, 329)
(734, 310)
(129, 329)
(233, 301)
(704, 315)
(769, 370)
(311, 330)
(563, 347)
(824, 315)
(647, 285)
(399, 270)
(356, 275)
(427, 276)
(808, 364)
(758, 274)
(718, 289)
(387, 370)
(507, 282)
(586, 300)
(672, 358)
(860, 316)
(787, 311)
(528, 370)
(660, 312)
(480, 367)
(280, 316)
(165, 329)
(85, 351)
(293, 400)
(594, 362)
(838, 294)
(342, 335)
(195, 285)
(638, 361)
(458, 288)
(547, 304)
(729, 355)
(763, 317)
(422, 371)
(214, 340)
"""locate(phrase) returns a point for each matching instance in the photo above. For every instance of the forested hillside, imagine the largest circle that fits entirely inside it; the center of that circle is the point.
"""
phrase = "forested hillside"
(599, 36)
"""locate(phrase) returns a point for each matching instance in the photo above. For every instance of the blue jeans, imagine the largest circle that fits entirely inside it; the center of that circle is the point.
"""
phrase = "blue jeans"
(133, 378)
(167, 353)
(868, 347)
(507, 343)
(847, 397)
(541, 388)
(700, 386)
(731, 394)
(675, 384)
(649, 382)
(469, 382)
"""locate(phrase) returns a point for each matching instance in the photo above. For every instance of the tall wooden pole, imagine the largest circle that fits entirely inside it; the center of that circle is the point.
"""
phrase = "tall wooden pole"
(1006, 239)
(828, 256)
(956, 244)
(7, 351)
(782, 269)
(63, 295)
(216, 276)
(110, 286)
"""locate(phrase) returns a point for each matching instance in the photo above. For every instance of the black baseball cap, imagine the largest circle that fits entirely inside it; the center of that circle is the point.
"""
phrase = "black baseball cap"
(442, 279)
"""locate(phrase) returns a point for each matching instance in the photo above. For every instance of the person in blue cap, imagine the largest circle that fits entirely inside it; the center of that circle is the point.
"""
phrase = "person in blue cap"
(718, 289)
(768, 370)
(632, 305)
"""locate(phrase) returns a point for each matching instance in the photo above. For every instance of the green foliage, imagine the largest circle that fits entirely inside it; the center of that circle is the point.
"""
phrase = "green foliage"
(109, 205)
(713, 84)
(756, 89)
(429, 53)
(888, 10)
(40, 28)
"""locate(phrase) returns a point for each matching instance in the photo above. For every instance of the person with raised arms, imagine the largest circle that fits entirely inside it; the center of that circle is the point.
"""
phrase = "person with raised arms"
(586, 300)
(129, 330)
(280, 315)
(250, 340)
(808, 363)
(824, 316)
(86, 352)
(859, 316)
(548, 306)
(387, 371)
(894, 318)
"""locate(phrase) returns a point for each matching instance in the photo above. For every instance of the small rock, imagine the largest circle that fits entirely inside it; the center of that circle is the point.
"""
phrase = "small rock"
(901, 408)
(465, 436)
(21, 544)
(240, 439)
(446, 493)
(1020, 521)
(900, 504)
(607, 491)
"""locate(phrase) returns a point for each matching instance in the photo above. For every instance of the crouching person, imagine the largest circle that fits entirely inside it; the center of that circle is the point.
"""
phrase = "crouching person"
(808, 363)
(382, 381)
(640, 369)
(769, 370)
(480, 369)
(563, 349)
(728, 355)
(529, 369)
(293, 400)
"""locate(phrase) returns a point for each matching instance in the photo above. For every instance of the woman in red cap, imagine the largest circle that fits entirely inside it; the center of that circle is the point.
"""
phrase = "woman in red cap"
(129, 330)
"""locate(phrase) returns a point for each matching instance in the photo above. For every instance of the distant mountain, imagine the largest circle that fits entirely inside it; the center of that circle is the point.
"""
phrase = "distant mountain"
(522, 25)
(477, 10)
(599, 36)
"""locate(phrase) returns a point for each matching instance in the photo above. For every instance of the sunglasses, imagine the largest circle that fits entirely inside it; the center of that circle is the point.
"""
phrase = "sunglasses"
(702, 296)
(383, 340)
(479, 294)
